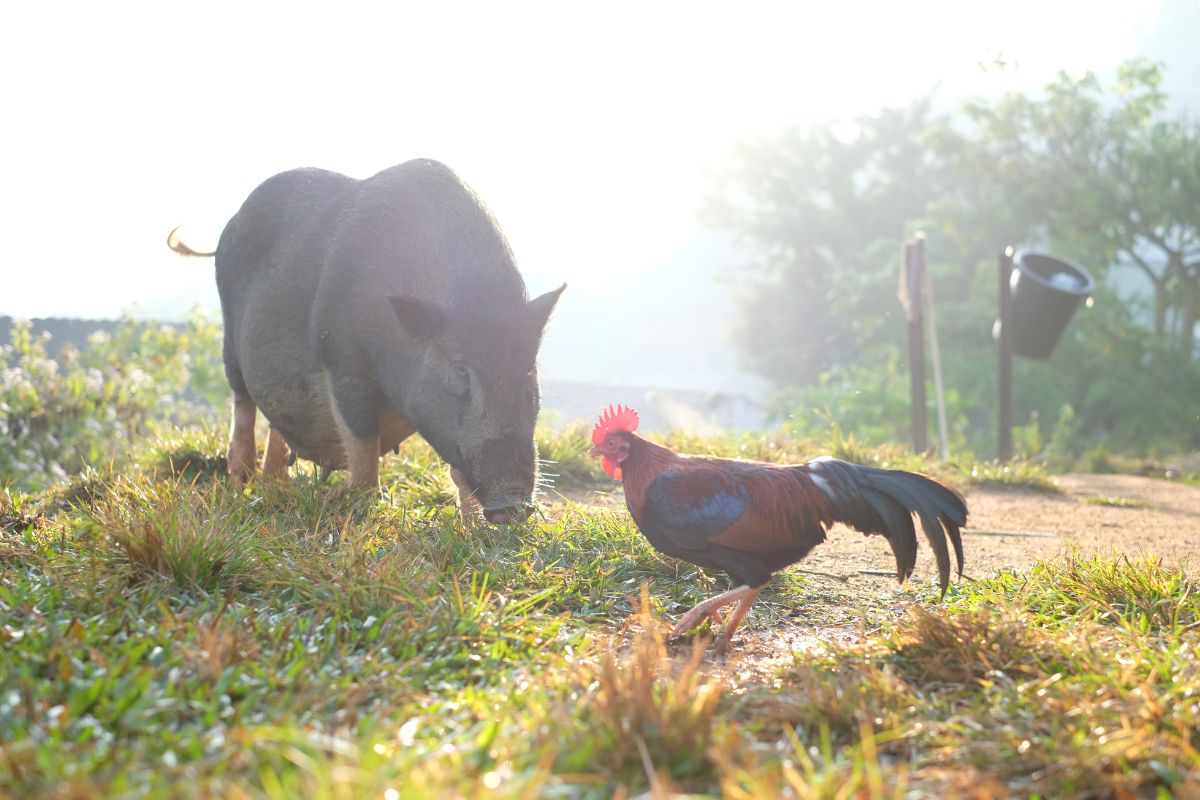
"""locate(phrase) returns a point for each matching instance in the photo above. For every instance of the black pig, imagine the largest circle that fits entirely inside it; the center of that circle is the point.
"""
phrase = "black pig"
(360, 311)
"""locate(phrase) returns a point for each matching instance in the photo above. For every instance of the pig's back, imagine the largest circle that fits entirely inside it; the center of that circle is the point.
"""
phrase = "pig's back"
(267, 237)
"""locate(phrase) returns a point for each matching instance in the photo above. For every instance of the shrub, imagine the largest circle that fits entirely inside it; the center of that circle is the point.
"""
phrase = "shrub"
(88, 407)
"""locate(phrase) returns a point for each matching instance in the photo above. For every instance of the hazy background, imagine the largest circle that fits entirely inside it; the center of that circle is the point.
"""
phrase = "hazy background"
(592, 132)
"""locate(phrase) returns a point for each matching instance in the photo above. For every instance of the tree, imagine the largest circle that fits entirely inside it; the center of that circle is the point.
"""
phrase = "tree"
(823, 212)
(1112, 178)
(1100, 175)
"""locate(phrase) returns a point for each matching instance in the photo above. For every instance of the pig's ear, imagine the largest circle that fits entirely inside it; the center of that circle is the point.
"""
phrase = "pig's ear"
(419, 319)
(540, 308)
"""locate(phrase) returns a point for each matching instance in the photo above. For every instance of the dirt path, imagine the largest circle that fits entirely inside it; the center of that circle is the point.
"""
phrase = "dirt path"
(1012, 529)
(1155, 517)
(1008, 529)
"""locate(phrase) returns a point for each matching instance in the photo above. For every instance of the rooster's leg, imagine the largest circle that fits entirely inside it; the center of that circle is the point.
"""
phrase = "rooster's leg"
(708, 609)
(736, 618)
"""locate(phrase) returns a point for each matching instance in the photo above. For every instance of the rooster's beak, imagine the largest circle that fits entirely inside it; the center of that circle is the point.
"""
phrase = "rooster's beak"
(595, 451)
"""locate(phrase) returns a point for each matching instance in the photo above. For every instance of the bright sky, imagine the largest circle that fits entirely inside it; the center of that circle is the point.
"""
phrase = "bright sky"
(590, 130)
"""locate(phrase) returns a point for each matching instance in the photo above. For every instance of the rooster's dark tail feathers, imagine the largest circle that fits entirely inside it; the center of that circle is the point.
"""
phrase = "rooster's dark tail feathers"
(884, 501)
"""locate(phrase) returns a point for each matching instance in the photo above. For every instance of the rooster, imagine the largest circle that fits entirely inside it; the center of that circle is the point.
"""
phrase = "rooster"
(752, 519)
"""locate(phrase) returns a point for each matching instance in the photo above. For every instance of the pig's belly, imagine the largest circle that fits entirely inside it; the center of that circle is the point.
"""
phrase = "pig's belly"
(289, 387)
(299, 409)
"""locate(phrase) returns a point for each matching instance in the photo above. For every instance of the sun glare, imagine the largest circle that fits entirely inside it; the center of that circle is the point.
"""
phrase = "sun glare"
(593, 138)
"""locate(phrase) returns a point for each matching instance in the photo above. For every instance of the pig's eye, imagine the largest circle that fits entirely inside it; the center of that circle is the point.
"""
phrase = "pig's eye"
(459, 380)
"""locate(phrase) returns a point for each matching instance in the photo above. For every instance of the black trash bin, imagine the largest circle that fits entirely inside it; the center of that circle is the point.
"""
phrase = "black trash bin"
(1045, 292)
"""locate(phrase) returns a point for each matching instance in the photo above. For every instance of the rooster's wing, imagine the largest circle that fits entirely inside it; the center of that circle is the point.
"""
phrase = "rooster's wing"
(753, 508)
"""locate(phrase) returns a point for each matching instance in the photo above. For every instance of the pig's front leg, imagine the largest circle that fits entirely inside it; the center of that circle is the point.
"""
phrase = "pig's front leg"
(468, 504)
(275, 461)
(355, 411)
(362, 457)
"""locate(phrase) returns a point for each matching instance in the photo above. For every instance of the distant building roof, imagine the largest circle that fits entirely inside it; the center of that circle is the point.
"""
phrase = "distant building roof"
(659, 409)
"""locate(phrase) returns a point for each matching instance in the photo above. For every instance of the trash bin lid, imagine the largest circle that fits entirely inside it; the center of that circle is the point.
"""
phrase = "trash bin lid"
(1052, 272)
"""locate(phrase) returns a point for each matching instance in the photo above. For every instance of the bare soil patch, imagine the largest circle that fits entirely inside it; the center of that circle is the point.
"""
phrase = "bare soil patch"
(1011, 529)
(1007, 529)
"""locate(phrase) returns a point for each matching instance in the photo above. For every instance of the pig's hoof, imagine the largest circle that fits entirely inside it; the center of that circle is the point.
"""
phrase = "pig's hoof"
(240, 470)
(472, 520)
(359, 498)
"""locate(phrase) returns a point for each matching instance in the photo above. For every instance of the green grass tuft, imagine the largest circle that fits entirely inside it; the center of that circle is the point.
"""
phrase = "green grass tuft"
(1115, 502)
(647, 717)
(188, 453)
(1008, 475)
(197, 537)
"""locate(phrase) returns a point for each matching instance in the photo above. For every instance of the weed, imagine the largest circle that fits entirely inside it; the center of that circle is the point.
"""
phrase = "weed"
(971, 646)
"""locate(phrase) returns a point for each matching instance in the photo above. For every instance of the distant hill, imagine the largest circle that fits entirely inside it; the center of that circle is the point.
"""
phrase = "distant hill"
(62, 331)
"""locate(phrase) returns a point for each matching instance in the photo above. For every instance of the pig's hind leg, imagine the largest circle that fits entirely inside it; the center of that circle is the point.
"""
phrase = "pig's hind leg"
(242, 453)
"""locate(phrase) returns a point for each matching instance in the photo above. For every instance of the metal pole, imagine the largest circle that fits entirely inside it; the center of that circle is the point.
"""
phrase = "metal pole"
(1005, 377)
(914, 274)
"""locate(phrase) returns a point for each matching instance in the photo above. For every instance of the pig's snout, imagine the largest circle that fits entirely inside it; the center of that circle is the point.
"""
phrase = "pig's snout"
(508, 508)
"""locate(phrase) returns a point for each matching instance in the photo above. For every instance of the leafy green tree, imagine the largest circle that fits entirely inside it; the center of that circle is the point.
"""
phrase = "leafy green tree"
(1101, 176)
(823, 212)
(1110, 178)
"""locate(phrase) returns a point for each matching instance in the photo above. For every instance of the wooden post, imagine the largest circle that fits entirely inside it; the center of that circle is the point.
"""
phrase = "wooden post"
(913, 275)
(1006, 355)
(939, 390)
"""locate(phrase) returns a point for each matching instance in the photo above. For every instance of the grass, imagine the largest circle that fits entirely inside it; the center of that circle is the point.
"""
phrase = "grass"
(1009, 475)
(165, 635)
(1115, 502)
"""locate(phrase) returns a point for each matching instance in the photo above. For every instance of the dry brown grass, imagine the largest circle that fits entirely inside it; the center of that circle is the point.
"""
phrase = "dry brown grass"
(967, 648)
(647, 715)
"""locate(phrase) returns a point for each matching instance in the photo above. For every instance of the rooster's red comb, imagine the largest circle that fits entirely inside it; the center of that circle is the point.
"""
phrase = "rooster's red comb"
(614, 418)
